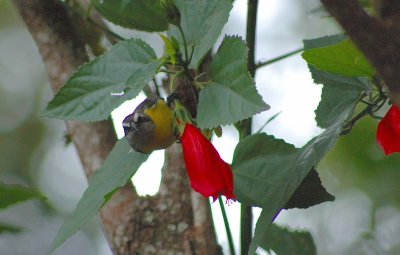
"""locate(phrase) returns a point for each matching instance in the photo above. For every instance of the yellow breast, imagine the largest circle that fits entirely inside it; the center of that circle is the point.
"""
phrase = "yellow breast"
(162, 118)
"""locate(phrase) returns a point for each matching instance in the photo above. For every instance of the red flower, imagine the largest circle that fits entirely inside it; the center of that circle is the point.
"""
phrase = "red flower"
(208, 173)
(388, 132)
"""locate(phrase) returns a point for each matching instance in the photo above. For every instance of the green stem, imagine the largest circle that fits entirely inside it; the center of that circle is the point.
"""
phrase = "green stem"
(271, 61)
(227, 227)
(184, 45)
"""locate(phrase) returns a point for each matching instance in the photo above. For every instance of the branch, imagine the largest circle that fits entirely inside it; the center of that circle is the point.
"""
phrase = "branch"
(62, 51)
(246, 218)
(251, 26)
(378, 39)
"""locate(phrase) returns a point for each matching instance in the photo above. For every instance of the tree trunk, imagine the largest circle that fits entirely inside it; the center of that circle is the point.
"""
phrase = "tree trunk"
(175, 221)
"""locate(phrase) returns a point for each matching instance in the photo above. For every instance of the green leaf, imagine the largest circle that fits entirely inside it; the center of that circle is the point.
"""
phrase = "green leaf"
(337, 93)
(232, 95)
(202, 22)
(324, 41)
(310, 192)
(101, 85)
(264, 165)
(12, 194)
(342, 58)
(284, 241)
(137, 14)
(6, 228)
(171, 48)
(118, 168)
(260, 167)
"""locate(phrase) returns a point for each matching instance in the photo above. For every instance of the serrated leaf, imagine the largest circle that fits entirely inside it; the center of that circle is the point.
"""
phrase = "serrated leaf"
(6, 228)
(255, 165)
(284, 241)
(88, 95)
(202, 22)
(342, 58)
(12, 194)
(259, 176)
(117, 169)
(137, 14)
(310, 192)
(337, 93)
(232, 95)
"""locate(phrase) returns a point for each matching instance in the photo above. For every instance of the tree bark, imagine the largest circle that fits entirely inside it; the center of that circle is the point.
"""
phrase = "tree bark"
(175, 221)
(377, 37)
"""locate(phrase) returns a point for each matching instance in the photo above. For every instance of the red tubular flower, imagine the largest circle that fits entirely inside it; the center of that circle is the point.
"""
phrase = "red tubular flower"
(208, 173)
(388, 132)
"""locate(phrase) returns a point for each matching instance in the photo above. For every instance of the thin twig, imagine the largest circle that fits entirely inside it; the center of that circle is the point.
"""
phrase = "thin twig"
(276, 59)
(246, 219)
(370, 109)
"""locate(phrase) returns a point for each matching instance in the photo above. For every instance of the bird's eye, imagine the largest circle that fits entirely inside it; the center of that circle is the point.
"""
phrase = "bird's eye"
(141, 119)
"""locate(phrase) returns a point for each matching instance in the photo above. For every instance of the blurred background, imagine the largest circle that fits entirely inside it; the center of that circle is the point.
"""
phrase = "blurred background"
(364, 219)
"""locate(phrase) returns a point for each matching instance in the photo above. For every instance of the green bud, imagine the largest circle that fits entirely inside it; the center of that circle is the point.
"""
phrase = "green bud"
(171, 12)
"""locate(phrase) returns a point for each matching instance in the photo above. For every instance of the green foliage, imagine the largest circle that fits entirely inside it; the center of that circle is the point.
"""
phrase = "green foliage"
(337, 93)
(264, 165)
(232, 87)
(258, 172)
(120, 165)
(6, 228)
(171, 48)
(87, 95)
(342, 58)
(324, 41)
(261, 168)
(12, 194)
(269, 173)
(201, 22)
(283, 241)
(138, 14)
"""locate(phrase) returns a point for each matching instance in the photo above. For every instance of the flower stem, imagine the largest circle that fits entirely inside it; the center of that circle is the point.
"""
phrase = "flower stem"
(184, 45)
(227, 227)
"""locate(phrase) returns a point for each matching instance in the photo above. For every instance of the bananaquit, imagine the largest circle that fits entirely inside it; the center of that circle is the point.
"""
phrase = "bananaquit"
(150, 126)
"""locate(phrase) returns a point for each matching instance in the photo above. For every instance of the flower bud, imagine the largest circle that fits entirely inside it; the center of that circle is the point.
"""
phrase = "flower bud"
(171, 12)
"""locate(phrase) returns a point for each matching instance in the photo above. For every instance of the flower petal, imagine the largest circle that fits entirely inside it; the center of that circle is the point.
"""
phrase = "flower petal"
(388, 131)
(208, 173)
